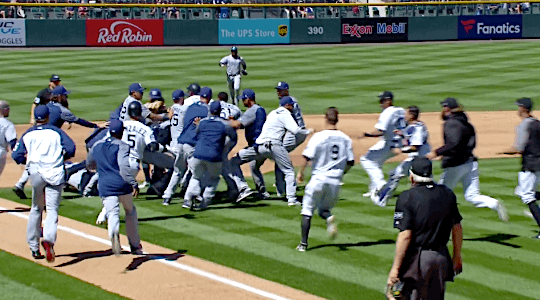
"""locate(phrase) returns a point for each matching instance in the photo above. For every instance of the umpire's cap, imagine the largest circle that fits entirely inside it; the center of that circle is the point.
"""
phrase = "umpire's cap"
(135, 109)
(116, 126)
(206, 92)
(525, 102)
(60, 90)
(386, 95)
(176, 95)
(136, 87)
(155, 94)
(248, 94)
(421, 166)
(195, 88)
(450, 103)
(54, 78)
(234, 49)
(41, 112)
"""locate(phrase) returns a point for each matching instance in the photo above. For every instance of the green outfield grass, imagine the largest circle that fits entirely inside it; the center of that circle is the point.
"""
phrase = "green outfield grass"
(501, 261)
(22, 279)
(484, 76)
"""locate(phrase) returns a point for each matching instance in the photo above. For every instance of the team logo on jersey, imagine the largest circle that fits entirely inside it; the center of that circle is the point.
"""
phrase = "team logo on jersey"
(283, 30)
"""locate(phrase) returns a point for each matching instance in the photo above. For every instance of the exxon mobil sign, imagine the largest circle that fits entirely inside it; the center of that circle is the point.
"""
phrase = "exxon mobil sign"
(490, 27)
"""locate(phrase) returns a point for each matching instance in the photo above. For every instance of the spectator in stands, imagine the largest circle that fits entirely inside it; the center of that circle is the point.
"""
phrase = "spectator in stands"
(83, 11)
(70, 11)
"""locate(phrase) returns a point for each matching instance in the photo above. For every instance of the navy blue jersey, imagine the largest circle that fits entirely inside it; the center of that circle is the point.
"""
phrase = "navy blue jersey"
(189, 134)
(212, 134)
(110, 158)
(59, 114)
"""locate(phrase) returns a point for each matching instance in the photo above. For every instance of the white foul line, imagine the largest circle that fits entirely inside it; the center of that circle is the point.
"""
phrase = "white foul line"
(167, 262)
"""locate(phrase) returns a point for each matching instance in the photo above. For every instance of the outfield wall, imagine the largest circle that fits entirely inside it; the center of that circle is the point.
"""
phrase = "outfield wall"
(126, 32)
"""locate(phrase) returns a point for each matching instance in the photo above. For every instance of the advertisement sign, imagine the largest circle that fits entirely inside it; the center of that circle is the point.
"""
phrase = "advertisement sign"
(489, 27)
(315, 31)
(254, 31)
(124, 32)
(374, 30)
(12, 33)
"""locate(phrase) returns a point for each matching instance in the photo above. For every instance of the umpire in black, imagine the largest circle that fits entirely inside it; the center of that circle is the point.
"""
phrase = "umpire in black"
(426, 215)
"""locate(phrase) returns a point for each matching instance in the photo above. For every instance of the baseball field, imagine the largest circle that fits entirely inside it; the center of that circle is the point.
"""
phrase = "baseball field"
(501, 261)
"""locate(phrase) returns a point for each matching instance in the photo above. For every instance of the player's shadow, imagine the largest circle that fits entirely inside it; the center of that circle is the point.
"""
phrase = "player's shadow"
(346, 246)
(498, 238)
(80, 256)
(16, 209)
(136, 262)
(161, 218)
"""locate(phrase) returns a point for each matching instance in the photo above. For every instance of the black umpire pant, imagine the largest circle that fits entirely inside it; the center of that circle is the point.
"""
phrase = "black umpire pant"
(434, 268)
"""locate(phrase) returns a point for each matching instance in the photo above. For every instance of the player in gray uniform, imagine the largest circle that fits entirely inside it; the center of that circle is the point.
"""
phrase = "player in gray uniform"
(236, 67)
(528, 145)
(290, 141)
(415, 143)
(8, 135)
(176, 114)
(269, 144)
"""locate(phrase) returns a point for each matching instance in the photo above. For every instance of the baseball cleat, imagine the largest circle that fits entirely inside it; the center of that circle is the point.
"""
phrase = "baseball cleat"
(301, 247)
(166, 201)
(244, 194)
(137, 251)
(501, 211)
(331, 227)
(37, 254)
(264, 196)
(143, 185)
(49, 251)
(377, 200)
(366, 195)
(20, 193)
(294, 202)
(187, 203)
(102, 218)
(115, 245)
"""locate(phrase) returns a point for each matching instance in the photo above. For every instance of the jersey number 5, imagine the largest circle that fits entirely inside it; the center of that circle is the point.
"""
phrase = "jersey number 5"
(334, 152)
(131, 140)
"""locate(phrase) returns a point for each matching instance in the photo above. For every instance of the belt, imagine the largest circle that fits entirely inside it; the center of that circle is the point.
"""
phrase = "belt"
(230, 75)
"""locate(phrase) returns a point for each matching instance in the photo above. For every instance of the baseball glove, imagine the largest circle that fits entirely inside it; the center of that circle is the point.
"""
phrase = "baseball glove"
(244, 73)
(155, 107)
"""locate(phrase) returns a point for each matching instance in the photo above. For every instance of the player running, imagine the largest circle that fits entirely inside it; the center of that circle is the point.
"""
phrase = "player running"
(43, 149)
(116, 185)
(236, 67)
(390, 119)
(415, 143)
(331, 154)
(8, 135)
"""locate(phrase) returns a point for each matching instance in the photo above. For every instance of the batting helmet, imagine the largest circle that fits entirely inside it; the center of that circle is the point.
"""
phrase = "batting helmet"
(134, 109)
(195, 88)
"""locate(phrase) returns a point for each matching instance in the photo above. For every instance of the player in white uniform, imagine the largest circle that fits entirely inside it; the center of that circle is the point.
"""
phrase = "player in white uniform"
(415, 142)
(176, 114)
(135, 95)
(8, 136)
(331, 154)
(194, 90)
(236, 67)
(390, 119)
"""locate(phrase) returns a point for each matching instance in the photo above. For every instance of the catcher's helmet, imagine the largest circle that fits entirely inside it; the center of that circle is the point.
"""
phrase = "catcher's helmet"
(134, 109)
(195, 88)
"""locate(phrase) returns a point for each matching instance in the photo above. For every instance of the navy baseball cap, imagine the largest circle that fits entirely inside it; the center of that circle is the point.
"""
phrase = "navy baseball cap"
(386, 95)
(248, 94)
(136, 87)
(116, 126)
(54, 78)
(286, 100)
(177, 94)
(60, 90)
(155, 94)
(525, 102)
(450, 103)
(41, 112)
(421, 166)
(215, 107)
(282, 85)
(233, 49)
(206, 92)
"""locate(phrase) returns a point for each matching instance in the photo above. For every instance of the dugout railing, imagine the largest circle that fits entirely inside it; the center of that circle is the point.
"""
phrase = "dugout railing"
(128, 10)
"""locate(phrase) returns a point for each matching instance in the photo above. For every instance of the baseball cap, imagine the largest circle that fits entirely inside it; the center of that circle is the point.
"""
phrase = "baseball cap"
(525, 102)
(177, 94)
(285, 100)
(155, 94)
(60, 90)
(215, 107)
(421, 166)
(450, 103)
(248, 94)
(54, 78)
(386, 95)
(136, 87)
(233, 48)
(41, 112)
(282, 85)
(116, 126)
(206, 92)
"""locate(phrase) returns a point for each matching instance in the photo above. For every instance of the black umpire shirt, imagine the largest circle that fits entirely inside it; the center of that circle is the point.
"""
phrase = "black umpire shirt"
(430, 211)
